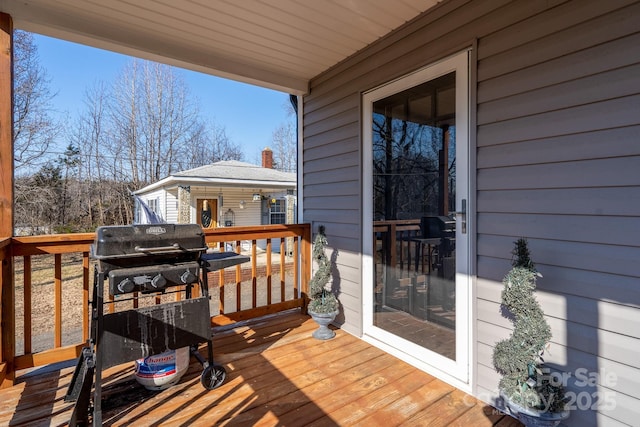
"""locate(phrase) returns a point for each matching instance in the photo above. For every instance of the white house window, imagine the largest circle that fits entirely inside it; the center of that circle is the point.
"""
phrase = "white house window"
(154, 205)
(277, 211)
(147, 211)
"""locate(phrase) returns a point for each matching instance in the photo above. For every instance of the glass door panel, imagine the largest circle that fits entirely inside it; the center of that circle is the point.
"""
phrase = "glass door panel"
(416, 150)
(414, 182)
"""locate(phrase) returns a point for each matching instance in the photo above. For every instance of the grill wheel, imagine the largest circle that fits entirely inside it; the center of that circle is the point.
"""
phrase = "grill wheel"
(213, 376)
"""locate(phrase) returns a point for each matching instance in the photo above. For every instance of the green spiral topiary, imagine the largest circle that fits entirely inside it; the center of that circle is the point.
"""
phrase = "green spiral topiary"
(322, 299)
(519, 358)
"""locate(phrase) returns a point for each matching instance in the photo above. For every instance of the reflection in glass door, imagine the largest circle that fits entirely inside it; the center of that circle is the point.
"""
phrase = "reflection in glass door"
(417, 211)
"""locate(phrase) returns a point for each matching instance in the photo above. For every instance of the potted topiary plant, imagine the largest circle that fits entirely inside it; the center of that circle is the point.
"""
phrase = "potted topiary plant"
(529, 392)
(323, 304)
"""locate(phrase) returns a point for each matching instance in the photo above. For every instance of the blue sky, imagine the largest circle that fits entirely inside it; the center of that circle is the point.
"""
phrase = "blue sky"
(249, 113)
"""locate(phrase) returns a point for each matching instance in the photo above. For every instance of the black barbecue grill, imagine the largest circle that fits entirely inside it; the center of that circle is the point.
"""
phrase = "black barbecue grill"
(140, 260)
(149, 258)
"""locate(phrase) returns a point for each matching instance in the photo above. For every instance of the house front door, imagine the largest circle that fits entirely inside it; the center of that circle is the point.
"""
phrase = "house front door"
(207, 213)
(416, 228)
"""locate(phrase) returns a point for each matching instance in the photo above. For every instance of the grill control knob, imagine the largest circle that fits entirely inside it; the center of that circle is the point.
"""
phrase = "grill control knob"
(126, 286)
(158, 282)
(188, 277)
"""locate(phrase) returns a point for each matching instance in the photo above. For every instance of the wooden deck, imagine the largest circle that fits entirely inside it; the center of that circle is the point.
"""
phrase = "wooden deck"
(277, 375)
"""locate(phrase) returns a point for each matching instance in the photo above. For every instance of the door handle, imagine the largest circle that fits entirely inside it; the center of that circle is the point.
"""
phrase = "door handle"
(463, 216)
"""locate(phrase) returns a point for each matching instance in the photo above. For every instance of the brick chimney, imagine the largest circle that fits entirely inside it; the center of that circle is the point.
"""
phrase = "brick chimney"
(267, 158)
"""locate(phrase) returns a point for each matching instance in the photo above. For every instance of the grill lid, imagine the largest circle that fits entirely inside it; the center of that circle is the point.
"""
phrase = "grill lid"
(144, 240)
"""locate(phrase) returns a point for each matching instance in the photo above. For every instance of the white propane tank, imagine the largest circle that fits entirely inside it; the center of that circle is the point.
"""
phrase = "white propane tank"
(163, 370)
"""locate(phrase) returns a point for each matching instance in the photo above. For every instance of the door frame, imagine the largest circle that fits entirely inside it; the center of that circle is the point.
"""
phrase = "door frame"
(458, 372)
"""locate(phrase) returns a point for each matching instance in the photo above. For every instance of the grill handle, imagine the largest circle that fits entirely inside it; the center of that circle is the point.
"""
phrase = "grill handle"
(174, 247)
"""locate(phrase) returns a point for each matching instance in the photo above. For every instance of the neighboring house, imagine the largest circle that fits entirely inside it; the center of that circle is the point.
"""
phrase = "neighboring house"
(223, 194)
(538, 102)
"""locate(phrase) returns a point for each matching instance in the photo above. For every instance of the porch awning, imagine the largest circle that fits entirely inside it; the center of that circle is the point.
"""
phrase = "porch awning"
(280, 44)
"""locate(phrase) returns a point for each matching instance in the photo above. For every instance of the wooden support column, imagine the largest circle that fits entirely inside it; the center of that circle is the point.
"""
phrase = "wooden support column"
(6, 125)
(7, 291)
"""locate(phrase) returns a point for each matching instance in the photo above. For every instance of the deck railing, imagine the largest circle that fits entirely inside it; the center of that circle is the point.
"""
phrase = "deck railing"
(394, 241)
(57, 268)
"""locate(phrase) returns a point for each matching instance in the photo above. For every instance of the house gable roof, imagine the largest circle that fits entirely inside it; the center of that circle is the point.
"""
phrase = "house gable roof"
(227, 173)
(233, 169)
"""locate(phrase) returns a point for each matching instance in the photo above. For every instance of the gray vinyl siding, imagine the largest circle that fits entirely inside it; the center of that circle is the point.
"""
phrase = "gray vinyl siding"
(558, 158)
(558, 162)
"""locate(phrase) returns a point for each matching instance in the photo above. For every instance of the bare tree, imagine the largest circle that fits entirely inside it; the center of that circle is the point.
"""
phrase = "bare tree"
(154, 119)
(284, 140)
(135, 131)
(91, 135)
(123, 114)
(209, 143)
(131, 132)
(35, 186)
(34, 128)
(405, 163)
(37, 202)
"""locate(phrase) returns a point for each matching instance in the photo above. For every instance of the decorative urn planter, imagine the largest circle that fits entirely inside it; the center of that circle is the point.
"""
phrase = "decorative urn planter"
(532, 418)
(323, 320)
(526, 387)
(323, 304)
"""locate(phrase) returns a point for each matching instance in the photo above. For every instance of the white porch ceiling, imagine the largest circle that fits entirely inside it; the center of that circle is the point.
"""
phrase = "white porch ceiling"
(279, 44)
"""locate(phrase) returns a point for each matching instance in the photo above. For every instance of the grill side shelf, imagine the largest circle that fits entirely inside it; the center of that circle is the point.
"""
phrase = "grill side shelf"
(218, 260)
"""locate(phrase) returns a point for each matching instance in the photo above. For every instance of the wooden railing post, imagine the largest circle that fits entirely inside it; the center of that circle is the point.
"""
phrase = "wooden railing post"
(26, 288)
(7, 318)
(305, 260)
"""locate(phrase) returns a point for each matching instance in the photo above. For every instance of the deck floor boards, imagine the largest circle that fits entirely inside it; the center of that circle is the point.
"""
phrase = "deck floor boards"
(277, 375)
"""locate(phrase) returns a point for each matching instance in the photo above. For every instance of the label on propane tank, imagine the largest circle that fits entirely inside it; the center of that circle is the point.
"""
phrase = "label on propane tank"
(159, 365)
